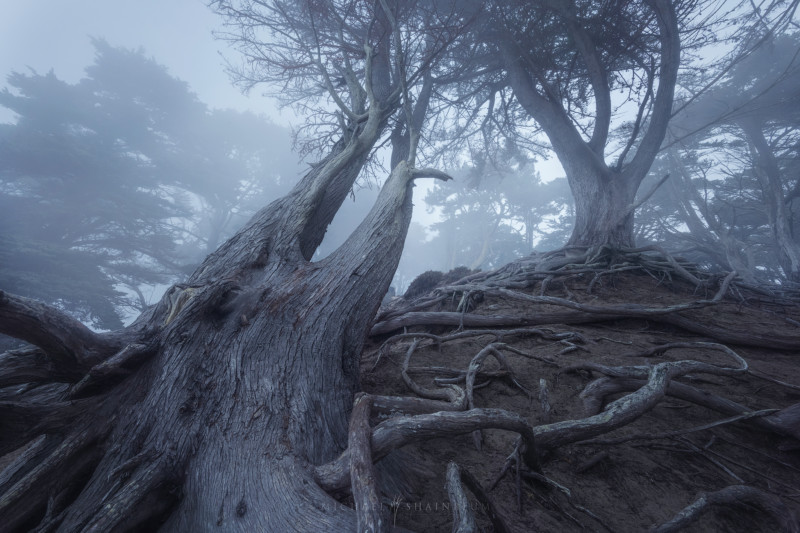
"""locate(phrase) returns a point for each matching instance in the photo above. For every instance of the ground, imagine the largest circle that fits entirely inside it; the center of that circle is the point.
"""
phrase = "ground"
(623, 486)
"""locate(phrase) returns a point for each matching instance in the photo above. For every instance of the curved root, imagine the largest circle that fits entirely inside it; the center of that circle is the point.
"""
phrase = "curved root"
(741, 495)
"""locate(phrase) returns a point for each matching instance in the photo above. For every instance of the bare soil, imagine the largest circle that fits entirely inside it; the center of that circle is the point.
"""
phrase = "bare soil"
(631, 486)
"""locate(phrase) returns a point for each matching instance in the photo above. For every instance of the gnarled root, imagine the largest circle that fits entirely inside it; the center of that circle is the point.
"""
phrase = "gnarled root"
(400, 431)
(37, 475)
(630, 407)
(362, 471)
(740, 495)
(463, 517)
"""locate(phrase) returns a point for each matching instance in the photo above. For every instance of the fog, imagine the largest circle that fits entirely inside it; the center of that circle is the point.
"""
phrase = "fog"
(41, 37)
(128, 155)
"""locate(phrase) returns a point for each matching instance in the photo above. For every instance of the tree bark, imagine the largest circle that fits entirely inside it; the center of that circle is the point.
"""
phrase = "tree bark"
(603, 208)
(211, 410)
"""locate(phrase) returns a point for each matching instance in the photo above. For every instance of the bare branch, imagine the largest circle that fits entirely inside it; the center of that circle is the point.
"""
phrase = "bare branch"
(668, 75)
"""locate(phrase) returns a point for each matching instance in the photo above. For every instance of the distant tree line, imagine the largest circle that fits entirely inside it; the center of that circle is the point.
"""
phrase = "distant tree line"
(124, 181)
(733, 156)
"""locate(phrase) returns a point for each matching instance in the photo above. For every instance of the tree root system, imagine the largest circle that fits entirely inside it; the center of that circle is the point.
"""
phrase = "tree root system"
(656, 397)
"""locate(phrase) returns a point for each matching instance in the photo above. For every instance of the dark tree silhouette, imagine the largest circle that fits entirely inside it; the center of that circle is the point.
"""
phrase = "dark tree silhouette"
(733, 157)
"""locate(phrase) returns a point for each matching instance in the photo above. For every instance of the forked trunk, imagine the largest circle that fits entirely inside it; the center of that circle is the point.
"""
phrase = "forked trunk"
(244, 377)
(254, 381)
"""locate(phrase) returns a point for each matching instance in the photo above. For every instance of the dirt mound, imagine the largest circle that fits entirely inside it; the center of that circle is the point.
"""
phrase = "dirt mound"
(429, 280)
(558, 348)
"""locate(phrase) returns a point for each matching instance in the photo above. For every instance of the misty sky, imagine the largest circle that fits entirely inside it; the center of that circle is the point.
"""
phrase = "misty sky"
(45, 34)
(56, 34)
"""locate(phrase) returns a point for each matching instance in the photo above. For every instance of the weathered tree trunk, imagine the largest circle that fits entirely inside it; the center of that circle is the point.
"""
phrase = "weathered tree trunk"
(249, 373)
(604, 194)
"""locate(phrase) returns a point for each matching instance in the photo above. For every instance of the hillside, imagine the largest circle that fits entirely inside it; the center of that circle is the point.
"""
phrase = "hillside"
(557, 339)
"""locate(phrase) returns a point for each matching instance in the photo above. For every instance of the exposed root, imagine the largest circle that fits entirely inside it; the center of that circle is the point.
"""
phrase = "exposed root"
(503, 306)
(544, 401)
(69, 344)
(526, 272)
(676, 433)
(463, 517)
(362, 471)
(598, 389)
(27, 494)
(628, 408)
(398, 432)
(33, 454)
(736, 495)
(450, 394)
(119, 364)
(387, 406)
(22, 421)
(469, 481)
(31, 366)
(124, 507)
(498, 335)
(472, 372)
